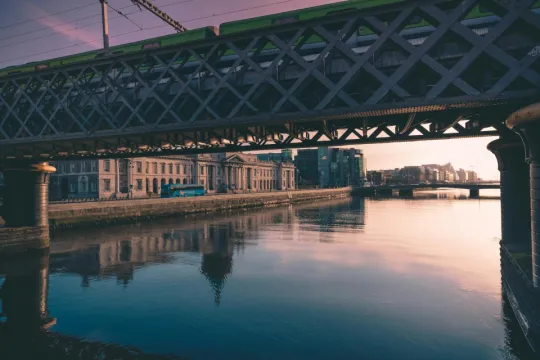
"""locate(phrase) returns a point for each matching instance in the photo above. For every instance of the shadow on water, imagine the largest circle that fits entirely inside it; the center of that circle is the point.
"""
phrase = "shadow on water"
(515, 343)
(25, 328)
(208, 243)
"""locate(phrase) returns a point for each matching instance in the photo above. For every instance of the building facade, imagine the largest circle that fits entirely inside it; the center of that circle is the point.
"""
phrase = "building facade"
(144, 177)
(283, 156)
(331, 167)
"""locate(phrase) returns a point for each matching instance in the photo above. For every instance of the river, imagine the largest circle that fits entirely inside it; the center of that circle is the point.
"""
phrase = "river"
(346, 279)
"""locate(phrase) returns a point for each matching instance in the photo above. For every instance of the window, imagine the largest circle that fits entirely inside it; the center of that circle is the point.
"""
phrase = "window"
(93, 165)
(177, 169)
(202, 170)
(139, 166)
(107, 184)
(139, 184)
(123, 167)
(107, 166)
(155, 168)
(147, 166)
(72, 167)
(185, 169)
(170, 168)
(93, 187)
(72, 187)
(162, 168)
(64, 168)
(83, 166)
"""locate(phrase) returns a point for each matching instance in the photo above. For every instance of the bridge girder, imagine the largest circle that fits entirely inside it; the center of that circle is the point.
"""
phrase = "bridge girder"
(351, 78)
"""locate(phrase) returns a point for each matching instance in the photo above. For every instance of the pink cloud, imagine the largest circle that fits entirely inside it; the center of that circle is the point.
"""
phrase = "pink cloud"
(69, 31)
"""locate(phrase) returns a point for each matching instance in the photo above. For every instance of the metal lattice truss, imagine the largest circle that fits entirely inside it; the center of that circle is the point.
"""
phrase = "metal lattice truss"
(425, 67)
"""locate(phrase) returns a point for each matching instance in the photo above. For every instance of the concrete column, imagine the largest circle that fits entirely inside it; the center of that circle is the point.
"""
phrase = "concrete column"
(117, 176)
(515, 190)
(25, 293)
(241, 178)
(526, 122)
(26, 199)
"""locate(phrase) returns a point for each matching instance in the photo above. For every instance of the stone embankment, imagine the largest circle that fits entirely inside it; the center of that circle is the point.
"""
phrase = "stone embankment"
(77, 214)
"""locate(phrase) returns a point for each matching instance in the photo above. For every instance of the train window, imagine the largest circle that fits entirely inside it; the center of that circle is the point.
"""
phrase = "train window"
(41, 66)
(286, 20)
(153, 45)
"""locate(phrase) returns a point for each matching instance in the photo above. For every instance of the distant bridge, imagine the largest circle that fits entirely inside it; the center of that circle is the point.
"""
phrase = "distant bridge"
(440, 185)
(277, 87)
(408, 189)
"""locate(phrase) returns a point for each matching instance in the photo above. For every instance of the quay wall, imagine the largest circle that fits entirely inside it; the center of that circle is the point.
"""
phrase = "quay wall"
(80, 214)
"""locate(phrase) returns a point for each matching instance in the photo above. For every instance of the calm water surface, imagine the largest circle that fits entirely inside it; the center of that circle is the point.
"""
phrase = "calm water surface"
(345, 279)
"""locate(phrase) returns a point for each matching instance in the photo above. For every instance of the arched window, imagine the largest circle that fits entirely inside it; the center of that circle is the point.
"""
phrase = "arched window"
(83, 184)
(155, 186)
(184, 181)
(178, 181)
(163, 182)
(171, 181)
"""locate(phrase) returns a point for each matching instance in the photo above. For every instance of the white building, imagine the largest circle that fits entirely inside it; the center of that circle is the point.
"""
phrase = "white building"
(143, 177)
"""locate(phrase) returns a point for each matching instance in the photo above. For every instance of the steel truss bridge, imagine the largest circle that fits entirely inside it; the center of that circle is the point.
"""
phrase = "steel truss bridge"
(351, 78)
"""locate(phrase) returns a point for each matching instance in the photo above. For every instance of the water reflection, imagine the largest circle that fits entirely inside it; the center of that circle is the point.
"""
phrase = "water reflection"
(221, 249)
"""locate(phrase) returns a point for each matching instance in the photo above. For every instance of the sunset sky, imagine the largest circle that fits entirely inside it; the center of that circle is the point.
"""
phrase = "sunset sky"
(39, 29)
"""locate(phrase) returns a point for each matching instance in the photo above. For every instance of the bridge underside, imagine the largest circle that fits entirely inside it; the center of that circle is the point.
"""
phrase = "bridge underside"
(416, 70)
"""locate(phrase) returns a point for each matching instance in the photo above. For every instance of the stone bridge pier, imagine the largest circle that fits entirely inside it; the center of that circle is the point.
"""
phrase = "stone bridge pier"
(515, 189)
(526, 123)
(25, 204)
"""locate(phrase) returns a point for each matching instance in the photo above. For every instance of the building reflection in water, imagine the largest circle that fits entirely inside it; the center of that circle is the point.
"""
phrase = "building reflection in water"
(207, 242)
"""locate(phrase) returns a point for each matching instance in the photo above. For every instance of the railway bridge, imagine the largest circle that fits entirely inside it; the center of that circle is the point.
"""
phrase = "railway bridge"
(398, 71)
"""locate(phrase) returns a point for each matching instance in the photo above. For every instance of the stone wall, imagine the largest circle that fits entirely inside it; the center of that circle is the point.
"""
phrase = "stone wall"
(75, 214)
(19, 239)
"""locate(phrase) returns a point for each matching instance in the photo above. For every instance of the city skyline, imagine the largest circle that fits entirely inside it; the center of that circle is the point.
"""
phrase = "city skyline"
(40, 29)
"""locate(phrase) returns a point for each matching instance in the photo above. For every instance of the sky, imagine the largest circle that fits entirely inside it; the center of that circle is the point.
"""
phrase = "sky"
(32, 30)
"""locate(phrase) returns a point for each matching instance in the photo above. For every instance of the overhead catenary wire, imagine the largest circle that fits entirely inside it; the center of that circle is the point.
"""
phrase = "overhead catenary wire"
(78, 27)
(146, 29)
(60, 24)
(46, 16)
(125, 16)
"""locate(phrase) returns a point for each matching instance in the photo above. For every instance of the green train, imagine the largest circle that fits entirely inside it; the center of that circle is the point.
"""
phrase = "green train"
(476, 18)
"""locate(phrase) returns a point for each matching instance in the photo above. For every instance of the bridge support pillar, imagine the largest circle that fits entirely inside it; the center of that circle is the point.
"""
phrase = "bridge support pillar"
(474, 193)
(515, 190)
(26, 200)
(526, 123)
(406, 192)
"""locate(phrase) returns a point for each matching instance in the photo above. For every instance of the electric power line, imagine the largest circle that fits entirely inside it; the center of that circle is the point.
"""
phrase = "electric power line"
(58, 25)
(126, 16)
(78, 27)
(150, 28)
(46, 16)
(56, 34)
